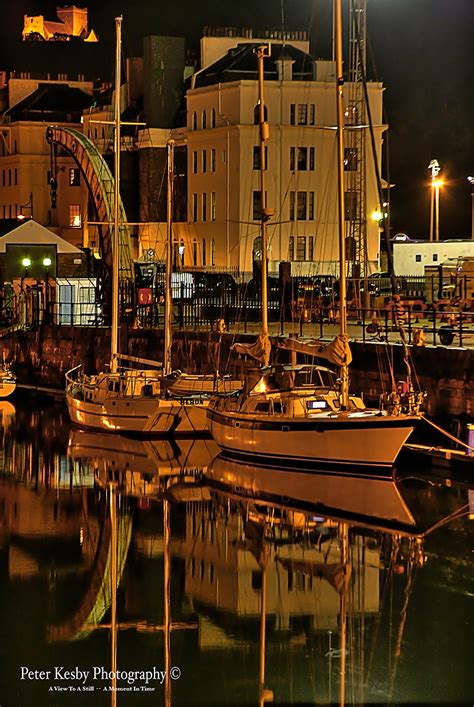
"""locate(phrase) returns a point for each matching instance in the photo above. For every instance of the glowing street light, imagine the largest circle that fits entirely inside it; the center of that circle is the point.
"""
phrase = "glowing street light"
(26, 262)
(436, 182)
(47, 262)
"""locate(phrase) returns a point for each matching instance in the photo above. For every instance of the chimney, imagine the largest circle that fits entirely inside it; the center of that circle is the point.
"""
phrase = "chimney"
(285, 68)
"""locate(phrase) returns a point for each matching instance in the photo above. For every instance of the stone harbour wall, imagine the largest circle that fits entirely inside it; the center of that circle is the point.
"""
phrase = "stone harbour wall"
(42, 357)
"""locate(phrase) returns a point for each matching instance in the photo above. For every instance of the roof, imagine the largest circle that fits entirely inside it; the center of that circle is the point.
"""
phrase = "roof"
(52, 101)
(32, 233)
(240, 63)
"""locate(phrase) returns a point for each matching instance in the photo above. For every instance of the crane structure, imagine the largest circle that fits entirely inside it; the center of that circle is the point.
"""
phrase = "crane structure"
(100, 184)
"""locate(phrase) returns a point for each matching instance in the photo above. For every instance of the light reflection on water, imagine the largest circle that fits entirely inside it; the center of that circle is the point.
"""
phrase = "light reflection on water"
(362, 593)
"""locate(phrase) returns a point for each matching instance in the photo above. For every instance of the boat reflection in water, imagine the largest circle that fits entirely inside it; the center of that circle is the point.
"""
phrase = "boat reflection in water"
(267, 584)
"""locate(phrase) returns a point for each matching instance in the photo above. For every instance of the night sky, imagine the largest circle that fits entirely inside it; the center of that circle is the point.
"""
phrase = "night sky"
(422, 50)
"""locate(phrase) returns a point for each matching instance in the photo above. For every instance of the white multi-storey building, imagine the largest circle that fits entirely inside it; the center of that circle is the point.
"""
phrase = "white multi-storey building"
(223, 157)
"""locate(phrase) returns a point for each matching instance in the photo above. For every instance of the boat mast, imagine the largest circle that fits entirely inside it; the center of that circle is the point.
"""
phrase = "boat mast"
(115, 238)
(262, 52)
(169, 251)
(340, 182)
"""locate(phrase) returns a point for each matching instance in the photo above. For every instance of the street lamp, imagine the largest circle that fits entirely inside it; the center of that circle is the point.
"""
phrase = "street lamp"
(47, 264)
(471, 182)
(434, 168)
(29, 205)
(26, 262)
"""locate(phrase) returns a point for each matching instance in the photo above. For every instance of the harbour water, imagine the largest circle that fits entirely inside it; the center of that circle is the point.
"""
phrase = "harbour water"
(205, 581)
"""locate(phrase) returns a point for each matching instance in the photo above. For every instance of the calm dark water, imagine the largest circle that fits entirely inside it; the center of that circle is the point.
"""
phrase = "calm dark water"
(371, 581)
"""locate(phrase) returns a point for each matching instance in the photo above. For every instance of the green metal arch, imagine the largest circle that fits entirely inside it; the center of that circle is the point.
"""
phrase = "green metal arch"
(100, 183)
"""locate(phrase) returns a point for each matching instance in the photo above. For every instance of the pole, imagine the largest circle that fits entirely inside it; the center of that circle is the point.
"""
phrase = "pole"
(115, 239)
(340, 175)
(113, 590)
(169, 249)
(437, 212)
(431, 211)
(262, 52)
(344, 540)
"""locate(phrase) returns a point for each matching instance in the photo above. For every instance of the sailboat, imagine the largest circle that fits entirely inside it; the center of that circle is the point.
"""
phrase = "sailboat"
(154, 400)
(7, 381)
(305, 413)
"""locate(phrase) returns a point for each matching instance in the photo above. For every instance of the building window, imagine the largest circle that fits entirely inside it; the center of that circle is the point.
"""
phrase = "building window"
(213, 251)
(351, 115)
(195, 162)
(435, 257)
(213, 118)
(256, 114)
(15, 177)
(311, 207)
(291, 248)
(302, 114)
(3, 178)
(213, 160)
(213, 205)
(194, 121)
(311, 248)
(292, 159)
(350, 159)
(74, 215)
(292, 205)
(195, 252)
(302, 159)
(292, 114)
(181, 251)
(301, 206)
(350, 205)
(312, 114)
(256, 157)
(204, 251)
(74, 177)
(204, 161)
(204, 120)
(195, 207)
(301, 248)
(204, 207)
(9, 177)
(418, 258)
(311, 159)
(257, 205)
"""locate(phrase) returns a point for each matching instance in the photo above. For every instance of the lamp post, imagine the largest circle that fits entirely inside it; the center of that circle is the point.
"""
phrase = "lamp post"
(471, 182)
(47, 264)
(26, 262)
(434, 168)
(29, 205)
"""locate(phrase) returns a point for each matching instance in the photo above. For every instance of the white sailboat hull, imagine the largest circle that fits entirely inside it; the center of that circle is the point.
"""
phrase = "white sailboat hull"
(366, 438)
(139, 415)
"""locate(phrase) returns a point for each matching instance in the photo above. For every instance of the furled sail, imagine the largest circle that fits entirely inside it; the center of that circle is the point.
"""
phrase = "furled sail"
(338, 351)
(260, 350)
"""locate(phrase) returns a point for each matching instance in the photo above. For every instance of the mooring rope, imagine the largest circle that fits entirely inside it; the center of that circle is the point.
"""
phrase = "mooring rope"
(448, 434)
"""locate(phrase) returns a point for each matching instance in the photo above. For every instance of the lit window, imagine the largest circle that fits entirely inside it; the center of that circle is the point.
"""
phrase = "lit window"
(302, 114)
(75, 220)
(74, 177)
(350, 159)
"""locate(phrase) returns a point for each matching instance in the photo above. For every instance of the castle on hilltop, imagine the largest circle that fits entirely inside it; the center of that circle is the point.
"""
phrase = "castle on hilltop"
(71, 22)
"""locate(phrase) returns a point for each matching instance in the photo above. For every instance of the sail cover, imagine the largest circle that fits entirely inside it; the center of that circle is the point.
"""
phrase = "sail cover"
(260, 350)
(338, 351)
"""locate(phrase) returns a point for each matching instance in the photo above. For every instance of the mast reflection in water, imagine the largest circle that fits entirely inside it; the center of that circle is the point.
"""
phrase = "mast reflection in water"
(258, 584)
